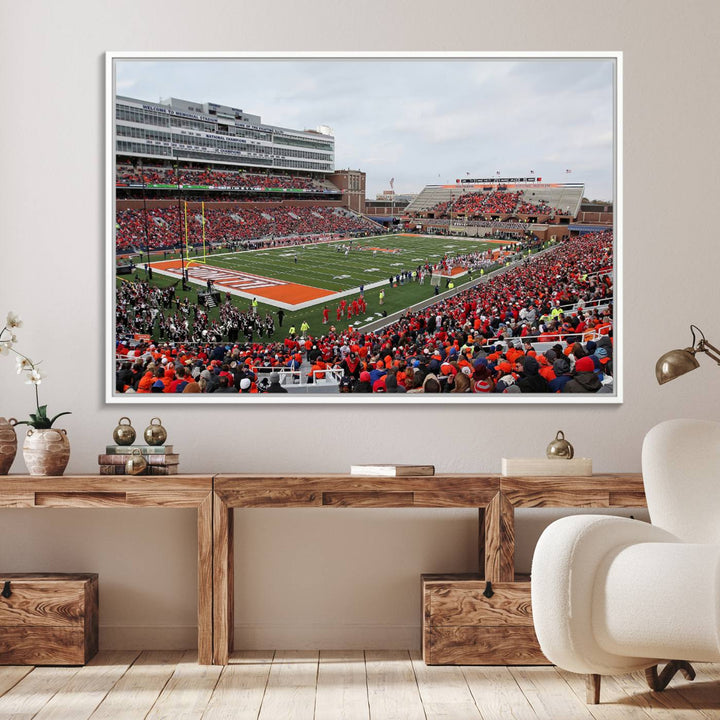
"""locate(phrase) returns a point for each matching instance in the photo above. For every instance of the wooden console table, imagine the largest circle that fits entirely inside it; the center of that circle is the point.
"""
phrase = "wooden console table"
(495, 497)
(215, 497)
(92, 491)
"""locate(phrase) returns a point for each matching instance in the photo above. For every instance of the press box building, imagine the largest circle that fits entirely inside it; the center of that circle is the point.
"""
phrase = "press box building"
(208, 132)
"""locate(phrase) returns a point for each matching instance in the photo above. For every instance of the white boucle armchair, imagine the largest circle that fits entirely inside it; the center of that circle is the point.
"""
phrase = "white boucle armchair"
(614, 595)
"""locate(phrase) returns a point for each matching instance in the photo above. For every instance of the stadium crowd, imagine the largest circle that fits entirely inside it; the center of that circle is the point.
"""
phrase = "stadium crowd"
(543, 326)
(212, 177)
(165, 226)
(539, 208)
(479, 203)
(475, 204)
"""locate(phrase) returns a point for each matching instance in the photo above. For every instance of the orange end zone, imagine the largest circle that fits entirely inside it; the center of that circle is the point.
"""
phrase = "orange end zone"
(293, 294)
(270, 288)
(457, 270)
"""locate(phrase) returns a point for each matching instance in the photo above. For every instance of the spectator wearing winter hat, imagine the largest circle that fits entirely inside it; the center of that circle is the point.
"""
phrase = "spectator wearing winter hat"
(545, 367)
(602, 355)
(561, 367)
(363, 385)
(377, 372)
(391, 383)
(158, 386)
(584, 380)
(482, 381)
(531, 381)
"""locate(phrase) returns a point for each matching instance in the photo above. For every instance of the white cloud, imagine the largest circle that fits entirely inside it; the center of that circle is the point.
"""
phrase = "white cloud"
(417, 119)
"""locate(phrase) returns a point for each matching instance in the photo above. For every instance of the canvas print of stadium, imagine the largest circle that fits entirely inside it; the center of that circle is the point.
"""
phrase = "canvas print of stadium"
(363, 229)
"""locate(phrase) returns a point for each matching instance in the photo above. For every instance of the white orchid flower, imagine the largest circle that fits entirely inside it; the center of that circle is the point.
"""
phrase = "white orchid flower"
(13, 320)
(23, 364)
(35, 377)
(5, 346)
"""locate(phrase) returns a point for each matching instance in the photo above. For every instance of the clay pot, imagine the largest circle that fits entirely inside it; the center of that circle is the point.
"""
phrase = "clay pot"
(8, 444)
(46, 452)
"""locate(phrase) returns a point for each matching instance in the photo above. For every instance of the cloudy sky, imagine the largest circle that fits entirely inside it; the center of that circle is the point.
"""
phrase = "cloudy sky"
(421, 121)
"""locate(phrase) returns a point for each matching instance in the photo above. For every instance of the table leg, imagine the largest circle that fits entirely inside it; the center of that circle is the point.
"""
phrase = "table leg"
(205, 580)
(481, 541)
(499, 540)
(223, 581)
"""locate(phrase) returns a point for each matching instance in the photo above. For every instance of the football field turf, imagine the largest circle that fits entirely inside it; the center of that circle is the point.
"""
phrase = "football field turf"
(326, 266)
(323, 266)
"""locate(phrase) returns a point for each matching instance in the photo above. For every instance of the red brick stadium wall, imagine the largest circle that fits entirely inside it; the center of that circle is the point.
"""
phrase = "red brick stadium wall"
(595, 218)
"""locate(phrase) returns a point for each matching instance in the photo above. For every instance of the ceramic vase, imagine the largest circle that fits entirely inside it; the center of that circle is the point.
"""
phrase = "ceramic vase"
(46, 452)
(8, 445)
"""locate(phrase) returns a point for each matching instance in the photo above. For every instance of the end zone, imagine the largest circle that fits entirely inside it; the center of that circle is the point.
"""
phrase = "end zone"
(281, 293)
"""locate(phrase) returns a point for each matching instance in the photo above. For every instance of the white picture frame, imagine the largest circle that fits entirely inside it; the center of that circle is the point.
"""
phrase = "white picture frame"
(114, 397)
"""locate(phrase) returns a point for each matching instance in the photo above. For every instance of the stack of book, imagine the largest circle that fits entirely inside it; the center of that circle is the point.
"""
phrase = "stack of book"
(392, 470)
(160, 459)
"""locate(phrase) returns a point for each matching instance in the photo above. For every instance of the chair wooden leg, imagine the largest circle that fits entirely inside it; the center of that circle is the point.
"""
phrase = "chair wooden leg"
(592, 689)
(659, 682)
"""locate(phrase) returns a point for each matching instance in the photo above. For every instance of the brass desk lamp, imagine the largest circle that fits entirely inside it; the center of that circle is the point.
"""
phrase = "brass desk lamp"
(677, 362)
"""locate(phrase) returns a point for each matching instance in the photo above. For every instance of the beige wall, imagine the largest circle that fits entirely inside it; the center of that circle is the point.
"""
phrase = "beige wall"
(346, 577)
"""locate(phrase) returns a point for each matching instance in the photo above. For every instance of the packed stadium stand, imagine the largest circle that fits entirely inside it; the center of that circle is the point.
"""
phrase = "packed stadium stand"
(544, 326)
(190, 173)
(149, 176)
(510, 201)
(166, 225)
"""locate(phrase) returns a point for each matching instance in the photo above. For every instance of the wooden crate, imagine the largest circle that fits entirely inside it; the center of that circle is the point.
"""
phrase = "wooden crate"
(48, 618)
(461, 626)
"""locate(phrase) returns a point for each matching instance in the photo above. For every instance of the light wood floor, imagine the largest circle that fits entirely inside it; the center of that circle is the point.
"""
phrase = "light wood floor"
(370, 685)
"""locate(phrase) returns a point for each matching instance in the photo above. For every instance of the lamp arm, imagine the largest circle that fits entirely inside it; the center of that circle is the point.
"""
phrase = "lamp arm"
(710, 350)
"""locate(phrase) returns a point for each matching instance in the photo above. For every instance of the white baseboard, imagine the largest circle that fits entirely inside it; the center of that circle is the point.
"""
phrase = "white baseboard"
(265, 637)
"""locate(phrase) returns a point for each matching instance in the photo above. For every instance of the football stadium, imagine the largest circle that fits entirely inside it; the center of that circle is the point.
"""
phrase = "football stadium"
(247, 263)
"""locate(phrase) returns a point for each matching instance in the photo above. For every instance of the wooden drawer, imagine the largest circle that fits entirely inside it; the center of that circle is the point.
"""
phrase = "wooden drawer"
(48, 619)
(462, 626)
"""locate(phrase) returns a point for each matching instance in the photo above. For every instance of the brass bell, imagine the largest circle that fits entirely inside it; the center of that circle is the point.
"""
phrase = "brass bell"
(560, 448)
(155, 434)
(124, 433)
(136, 463)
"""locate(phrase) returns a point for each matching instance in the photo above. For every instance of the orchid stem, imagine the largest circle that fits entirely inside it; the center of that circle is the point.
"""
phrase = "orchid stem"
(30, 362)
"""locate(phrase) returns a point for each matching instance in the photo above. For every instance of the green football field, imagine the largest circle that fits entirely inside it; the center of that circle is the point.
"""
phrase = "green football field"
(327, 266)
(323, 266)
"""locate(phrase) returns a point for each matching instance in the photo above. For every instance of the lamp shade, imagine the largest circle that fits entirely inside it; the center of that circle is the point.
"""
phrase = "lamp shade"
(675, 363)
